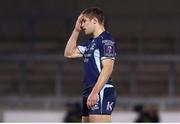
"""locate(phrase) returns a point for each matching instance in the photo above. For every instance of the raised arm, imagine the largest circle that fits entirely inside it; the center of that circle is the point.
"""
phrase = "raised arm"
(71, 50)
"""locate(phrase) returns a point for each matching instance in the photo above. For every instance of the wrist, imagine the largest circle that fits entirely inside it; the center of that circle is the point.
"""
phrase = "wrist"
(94, 92)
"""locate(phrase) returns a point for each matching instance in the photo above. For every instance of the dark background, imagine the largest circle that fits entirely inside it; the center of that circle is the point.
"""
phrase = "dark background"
(33, 35)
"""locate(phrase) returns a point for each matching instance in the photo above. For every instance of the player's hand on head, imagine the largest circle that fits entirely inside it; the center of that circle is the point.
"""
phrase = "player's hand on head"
(79, 23)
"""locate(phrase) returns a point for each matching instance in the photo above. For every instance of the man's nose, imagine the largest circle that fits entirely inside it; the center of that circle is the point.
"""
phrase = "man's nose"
(82, 24)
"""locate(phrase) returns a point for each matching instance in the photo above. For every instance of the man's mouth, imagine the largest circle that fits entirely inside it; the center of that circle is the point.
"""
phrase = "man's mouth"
(84, 29)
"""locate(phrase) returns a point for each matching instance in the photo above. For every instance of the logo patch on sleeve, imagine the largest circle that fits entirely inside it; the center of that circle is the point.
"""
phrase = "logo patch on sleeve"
(109, 49)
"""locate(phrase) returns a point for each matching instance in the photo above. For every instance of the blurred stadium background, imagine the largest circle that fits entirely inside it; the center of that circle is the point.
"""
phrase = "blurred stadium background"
(38, 84)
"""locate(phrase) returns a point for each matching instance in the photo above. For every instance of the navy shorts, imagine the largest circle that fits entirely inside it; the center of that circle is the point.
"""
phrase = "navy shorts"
(105, 104)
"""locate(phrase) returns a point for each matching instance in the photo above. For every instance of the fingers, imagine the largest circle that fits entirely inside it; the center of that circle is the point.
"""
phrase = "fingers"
(92, 100)
(79, 23)
(91, 103)
(88, 104)
(80, 19)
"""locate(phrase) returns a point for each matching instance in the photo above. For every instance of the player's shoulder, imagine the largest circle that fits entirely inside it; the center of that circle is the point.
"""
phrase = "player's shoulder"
(106, 37)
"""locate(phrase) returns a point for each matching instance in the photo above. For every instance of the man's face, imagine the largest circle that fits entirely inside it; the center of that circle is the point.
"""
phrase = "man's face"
(87, 25)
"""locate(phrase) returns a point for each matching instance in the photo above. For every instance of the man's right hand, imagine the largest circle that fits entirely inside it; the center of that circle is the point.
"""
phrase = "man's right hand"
(79, 23)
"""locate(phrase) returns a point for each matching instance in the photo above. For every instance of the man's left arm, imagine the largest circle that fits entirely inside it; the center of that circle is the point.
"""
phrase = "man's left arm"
(103, 77)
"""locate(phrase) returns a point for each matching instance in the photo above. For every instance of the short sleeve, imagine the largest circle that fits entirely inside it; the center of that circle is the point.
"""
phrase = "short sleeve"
(107, 49)
(82, 47)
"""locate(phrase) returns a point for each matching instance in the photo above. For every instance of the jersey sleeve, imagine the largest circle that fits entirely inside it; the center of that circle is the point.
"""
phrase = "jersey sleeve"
(107, 49)
(82, 47)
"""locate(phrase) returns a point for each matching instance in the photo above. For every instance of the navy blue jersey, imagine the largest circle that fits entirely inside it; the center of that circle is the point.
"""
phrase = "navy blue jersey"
(94, 51)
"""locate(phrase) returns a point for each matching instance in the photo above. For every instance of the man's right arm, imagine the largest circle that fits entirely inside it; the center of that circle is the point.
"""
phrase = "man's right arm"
(71, 50)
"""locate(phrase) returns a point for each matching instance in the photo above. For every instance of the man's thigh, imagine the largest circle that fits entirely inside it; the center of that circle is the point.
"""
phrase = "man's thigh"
(85, 119)
(100, 118)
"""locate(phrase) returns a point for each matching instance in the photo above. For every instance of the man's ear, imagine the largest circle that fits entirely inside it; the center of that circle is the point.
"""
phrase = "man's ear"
(95, 20)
